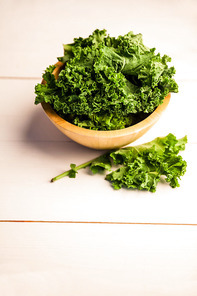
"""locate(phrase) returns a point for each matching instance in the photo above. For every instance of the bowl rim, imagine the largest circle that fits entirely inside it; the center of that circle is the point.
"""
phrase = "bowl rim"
(145, 123)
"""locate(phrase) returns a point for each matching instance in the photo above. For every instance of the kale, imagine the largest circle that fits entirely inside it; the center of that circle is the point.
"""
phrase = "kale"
(107, 83)
(140, 167)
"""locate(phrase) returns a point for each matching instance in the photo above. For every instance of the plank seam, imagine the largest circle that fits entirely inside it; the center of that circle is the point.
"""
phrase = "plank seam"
(97, 222)
(19, 78)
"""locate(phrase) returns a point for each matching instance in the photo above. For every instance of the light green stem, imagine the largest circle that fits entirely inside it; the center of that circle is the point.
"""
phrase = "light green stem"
(81, 166)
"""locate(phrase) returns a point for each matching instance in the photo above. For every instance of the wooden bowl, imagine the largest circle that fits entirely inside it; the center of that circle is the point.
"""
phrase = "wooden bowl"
(103, 139)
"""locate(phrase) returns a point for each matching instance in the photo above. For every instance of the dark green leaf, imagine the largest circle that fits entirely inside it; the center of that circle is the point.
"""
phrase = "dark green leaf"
(107, 83)
(73, 171)
(100, 164)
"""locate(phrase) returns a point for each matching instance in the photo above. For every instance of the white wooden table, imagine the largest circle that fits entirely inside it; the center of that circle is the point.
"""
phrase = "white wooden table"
(79, 236)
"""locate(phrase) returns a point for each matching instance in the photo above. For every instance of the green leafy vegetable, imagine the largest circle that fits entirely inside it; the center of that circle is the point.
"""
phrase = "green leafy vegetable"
(107, 83)
(73, 171)
(140, 167)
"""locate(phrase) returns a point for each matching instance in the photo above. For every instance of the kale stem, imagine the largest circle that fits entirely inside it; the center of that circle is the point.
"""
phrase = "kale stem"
(81, 166)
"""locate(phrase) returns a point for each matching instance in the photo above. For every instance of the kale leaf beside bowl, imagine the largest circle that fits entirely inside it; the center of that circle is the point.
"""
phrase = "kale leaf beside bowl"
(107, 83)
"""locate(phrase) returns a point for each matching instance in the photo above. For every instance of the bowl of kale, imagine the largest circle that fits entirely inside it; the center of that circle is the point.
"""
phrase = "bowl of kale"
(106, 92)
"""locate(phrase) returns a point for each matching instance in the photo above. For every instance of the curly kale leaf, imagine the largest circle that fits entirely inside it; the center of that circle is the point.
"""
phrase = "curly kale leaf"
(48, 91)
(101, 164)
(107, 83)
(143, 165)
(140, 167)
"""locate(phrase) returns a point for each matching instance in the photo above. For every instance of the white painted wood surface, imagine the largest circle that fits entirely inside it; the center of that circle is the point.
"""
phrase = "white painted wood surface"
(71, 258)
(86, 259)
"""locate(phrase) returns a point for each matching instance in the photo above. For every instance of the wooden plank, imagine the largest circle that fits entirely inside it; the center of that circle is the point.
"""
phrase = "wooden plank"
(26, 191)
(32, 41)
(72, 259)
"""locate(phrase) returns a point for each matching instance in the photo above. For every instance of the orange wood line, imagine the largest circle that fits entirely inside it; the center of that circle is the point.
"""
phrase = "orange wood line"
(97, 222)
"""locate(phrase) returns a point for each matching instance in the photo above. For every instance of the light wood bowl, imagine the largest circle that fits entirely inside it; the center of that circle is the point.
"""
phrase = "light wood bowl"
(103, 140)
